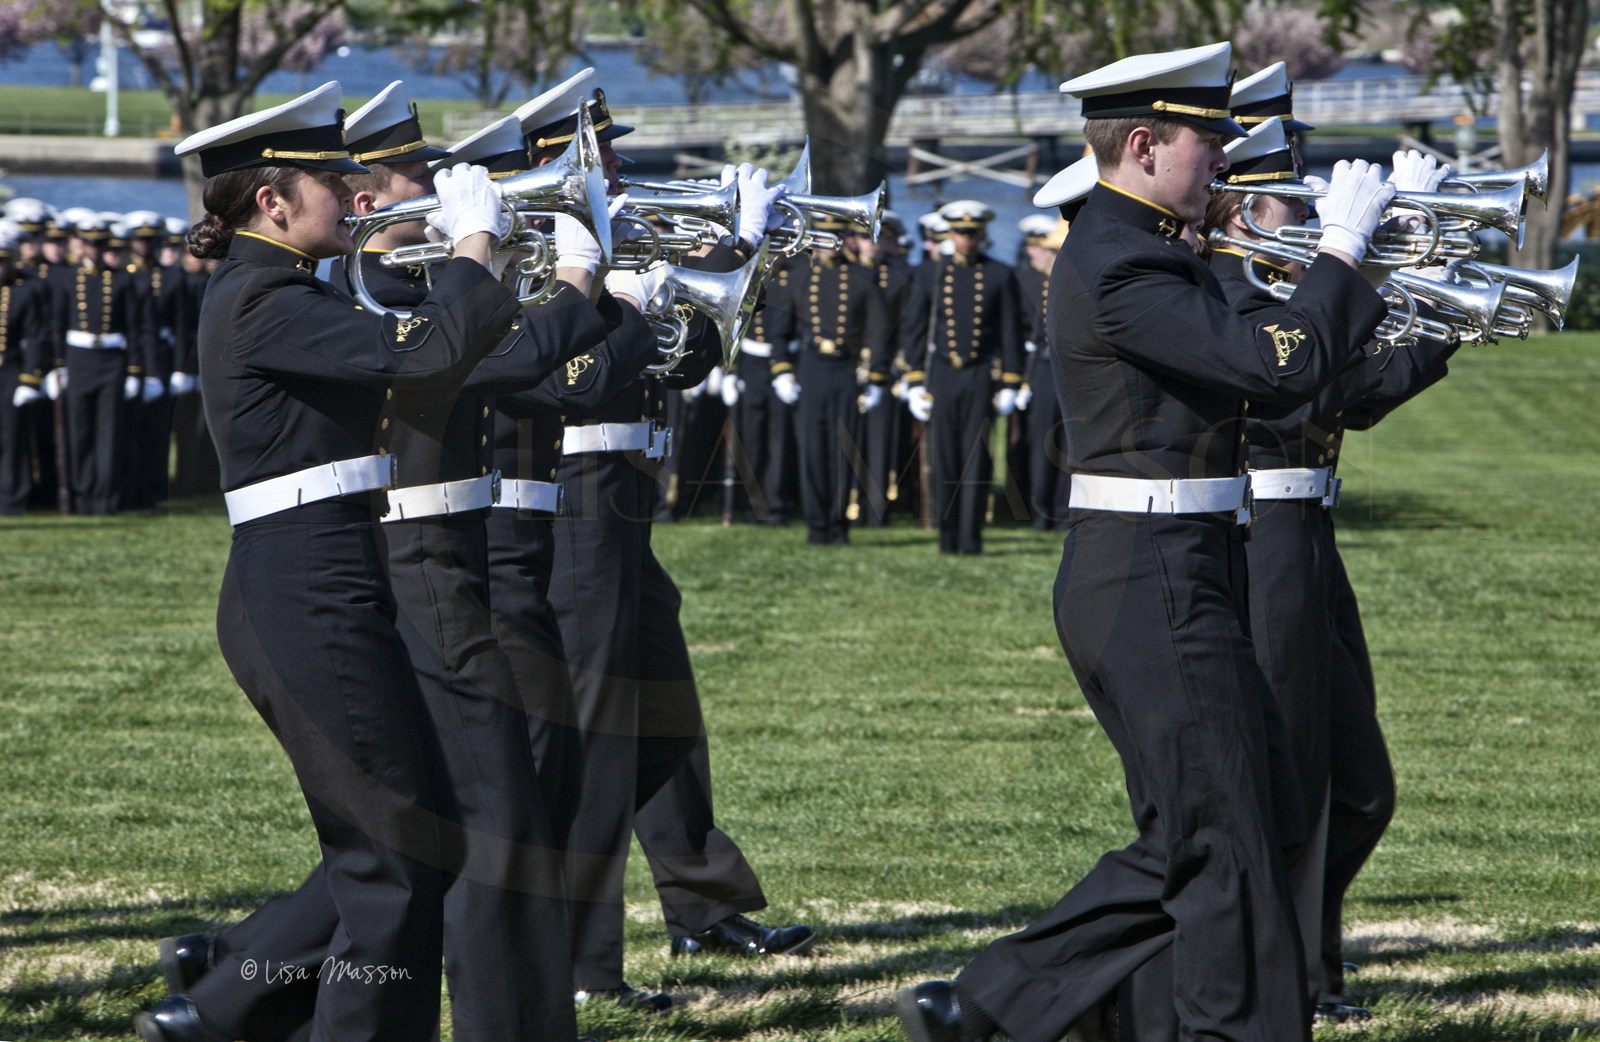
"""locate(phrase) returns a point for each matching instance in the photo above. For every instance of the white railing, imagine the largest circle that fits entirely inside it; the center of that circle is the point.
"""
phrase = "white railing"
(1325, 103)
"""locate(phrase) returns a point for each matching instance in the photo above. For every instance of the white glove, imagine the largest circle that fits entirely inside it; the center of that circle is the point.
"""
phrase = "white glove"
(469, 202)
(1024, 396)
(623, 231)
(730, 174)
(755, 204)
(1353, 207)
(947, 248)
(154, 388)
(691, 393)
(1415, 172)
(25, 395)
(181, 383)
(786, 387)
(131, 386)
(55, 381)
(732, 388)
(575, 247)
(1005, 401)
(921, 403)
(870, 397)
(1315, 183)
(642, 286)
(1030, 346)
(901, 389)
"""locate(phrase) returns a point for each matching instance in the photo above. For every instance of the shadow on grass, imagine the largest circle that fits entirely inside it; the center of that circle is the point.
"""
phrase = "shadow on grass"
(1398, 511)
(1403, 900)
(83, 923)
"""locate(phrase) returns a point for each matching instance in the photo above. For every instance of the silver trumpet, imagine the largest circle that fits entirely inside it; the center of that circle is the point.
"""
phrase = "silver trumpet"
(1535, 176)
(1546, 291)
(1449, 217)
(574, 184)
(727, 298)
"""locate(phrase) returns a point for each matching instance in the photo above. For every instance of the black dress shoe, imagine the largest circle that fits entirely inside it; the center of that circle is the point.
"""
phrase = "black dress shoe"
(184, 960)
(930, 1012)
(173, 1019)
(738, 935)
(1336, 1013)
(629, 997)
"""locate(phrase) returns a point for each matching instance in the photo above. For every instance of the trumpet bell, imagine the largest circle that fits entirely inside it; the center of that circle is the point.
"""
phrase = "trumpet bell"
(865, 209)
(1535, 176)
(727, 298)
(1553, 288)
(1476, 305)
(799, 180)
(719, 205)
(1500, 209)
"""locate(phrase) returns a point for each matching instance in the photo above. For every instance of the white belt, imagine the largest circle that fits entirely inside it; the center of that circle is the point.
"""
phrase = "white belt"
(618, 437)
(80, 338)
(1177, 496)
(310, 485)
(1296, 483)
(544, 496)
(447, 497)
(757, 349)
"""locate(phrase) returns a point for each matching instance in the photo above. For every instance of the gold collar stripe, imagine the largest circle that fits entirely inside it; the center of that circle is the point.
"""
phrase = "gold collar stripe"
(1188, 110)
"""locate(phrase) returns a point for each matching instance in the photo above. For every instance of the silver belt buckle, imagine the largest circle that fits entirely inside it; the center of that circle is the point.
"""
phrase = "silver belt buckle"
(494, 487)
(1332, 498)
(1249, 499)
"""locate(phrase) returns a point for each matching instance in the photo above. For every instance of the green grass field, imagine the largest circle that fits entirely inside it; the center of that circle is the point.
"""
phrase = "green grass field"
(898, 743)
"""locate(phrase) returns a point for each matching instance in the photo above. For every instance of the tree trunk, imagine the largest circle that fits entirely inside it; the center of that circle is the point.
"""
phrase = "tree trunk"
(217, 98)
(1544, 119)
(848, 108)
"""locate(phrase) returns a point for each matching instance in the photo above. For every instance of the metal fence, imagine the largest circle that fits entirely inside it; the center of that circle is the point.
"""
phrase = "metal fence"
(1327, 103)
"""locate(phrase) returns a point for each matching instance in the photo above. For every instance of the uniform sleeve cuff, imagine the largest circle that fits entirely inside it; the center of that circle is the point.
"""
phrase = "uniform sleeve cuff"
(916, 376)
(1011, 378)
(781, 367)
(31, 379)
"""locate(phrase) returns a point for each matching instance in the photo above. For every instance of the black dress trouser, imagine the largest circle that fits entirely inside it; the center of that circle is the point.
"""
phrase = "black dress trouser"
(16, 470)
(306, 621)
(639, 721)
(1153, 618)
(1049, 478)
(825, 426)
(1362, 790)
(963, 470)
(94, 426)
(764, 432)
(882, 424)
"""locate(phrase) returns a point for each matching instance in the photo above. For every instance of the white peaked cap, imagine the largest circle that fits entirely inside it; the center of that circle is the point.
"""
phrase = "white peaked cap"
(316, 108)
(1271, 82)
(1264, 139)
(177, 226)
(966, 211)
(502, 136)
(933, 224)
(1069, 185)
(559, 101)
(304, 131)
(1036, 224)
(391, 106)
(1193, 67)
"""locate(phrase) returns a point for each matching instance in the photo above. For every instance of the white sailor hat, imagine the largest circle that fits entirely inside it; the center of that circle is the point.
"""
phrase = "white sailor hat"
(1266, 94)
(29, 215)
(146, 224)
(1263, 156)
(74, 217)
(177, 230)
(10, 234)
(550, 120)
(304, 132)
(1192, 84)
(387, 130)
(499, 147)
(966, 215)
(1036, 226)
(1070, 187)
(121, 232)
(933, 225)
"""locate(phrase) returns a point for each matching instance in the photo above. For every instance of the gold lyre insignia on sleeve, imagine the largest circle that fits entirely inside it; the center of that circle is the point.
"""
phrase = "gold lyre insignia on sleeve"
(577, 367)
(1284, 341)
(403, 328)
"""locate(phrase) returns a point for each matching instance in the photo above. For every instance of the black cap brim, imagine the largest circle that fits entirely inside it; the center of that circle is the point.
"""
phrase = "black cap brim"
(1226, 127)
(425, 154)
(1295, 124)
(337, 166)
(615, 130)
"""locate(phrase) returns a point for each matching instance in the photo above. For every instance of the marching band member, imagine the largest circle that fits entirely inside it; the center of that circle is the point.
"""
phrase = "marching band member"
(24, 314)
(1047, 483)
(887, 426)
(1194, 915)
(295, 384)
(965, 340)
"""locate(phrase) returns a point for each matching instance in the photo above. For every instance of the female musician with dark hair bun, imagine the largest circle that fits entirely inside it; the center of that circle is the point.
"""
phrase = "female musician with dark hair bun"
(296, 382)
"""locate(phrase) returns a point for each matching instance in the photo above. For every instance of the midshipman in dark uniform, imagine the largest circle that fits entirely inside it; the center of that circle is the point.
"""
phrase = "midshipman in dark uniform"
(837, 313)
(1043, 442)
(888, 425)
(24, 315)
(296, 382)
(1154, 367)
(765, 420)
(965, 350)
